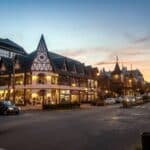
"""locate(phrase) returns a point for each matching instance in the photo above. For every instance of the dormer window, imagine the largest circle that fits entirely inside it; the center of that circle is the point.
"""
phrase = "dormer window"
(64, 68)
(74, 69)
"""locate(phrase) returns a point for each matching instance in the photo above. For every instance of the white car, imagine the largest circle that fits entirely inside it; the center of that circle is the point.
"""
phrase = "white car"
(138, 97)
(119, 99)
(110, 101)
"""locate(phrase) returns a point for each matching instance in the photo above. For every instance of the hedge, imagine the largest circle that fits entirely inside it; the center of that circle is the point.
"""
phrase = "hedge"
(61, 106)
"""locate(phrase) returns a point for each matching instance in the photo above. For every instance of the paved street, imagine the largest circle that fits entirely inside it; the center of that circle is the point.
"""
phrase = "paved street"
(95, 128)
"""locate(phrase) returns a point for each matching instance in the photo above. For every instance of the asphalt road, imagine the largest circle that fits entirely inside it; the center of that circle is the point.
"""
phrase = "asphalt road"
(96, 128)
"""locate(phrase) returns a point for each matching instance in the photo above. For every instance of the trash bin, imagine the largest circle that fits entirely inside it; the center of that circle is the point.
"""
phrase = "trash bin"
(146, 141)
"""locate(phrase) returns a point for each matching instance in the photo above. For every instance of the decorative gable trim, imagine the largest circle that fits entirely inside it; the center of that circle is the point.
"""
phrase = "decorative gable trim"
(41, 62)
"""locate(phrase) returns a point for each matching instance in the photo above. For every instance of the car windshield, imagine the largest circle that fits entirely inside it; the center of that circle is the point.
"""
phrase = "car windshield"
(8, 103)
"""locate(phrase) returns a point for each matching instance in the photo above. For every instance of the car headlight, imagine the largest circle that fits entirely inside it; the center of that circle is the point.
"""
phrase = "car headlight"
(10, 108)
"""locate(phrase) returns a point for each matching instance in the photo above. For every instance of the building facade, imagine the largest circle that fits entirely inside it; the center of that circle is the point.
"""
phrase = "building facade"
(9, 48)
(121, 82)
(46, 77)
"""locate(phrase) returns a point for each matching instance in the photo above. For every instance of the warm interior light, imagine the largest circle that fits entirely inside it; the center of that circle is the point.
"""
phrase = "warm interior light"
(34, 95)
(63, 92)
(106, 91)
(86, 89)
(48, 78)
(48, 94)
(96, 83)
(73, 84)
(1, 91)
(130, 80)
(21, 82)
(116, 76)
(34, 77)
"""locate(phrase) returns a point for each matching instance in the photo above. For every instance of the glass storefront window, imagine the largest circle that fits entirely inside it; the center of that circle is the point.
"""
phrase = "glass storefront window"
(64, 96)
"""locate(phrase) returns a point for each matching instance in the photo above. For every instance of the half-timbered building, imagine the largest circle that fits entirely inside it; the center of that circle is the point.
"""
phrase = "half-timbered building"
(46, 77)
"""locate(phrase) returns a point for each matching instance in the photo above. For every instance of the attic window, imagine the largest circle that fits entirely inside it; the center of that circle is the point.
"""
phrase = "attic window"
(74, 69)
(64, 67)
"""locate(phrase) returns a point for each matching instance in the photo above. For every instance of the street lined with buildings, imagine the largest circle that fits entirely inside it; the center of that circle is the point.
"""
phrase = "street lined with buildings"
(83, 129)
(44, 77)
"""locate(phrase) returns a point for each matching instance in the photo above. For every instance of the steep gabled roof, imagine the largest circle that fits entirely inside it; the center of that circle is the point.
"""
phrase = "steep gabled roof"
(88, 70)
(117, 68)
(58, 62)
(7, 62)
(42, 45)
(80, 68)
(10, 45)
(23, 62)
(71, 65)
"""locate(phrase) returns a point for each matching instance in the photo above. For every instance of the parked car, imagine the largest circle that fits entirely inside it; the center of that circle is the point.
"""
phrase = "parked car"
(119, 99)
(138, 97)
(6, 107)
(128, 101)
(110, 101)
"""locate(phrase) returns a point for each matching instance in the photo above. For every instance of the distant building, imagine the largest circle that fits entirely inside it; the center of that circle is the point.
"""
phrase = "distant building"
(9, 48)
(121, 82)
(45, 77)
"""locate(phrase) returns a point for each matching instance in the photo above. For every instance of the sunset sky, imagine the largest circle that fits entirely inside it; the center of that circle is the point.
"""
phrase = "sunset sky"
(92, 31)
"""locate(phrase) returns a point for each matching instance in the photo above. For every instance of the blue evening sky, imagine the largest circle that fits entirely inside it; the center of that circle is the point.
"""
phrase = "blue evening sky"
(74, 25)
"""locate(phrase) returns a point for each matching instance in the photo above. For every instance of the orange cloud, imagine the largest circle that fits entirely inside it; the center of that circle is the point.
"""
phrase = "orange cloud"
(136, 53)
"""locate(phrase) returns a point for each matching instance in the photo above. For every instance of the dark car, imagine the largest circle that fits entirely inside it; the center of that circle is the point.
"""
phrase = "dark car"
(6, 107)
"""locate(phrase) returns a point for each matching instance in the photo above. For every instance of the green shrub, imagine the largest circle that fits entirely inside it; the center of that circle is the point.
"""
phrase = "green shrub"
(61, 106)
(98, 103)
